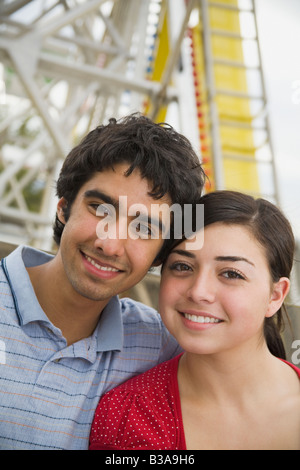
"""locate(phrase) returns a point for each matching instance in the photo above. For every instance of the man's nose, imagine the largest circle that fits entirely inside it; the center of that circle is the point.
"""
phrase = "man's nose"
(112, 241)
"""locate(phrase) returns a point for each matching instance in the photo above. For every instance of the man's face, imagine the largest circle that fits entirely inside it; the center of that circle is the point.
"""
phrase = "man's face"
(98, 268)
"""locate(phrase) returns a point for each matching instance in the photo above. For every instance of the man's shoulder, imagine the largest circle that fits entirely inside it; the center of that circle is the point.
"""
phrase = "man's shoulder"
(24, 256)
(3, 278)
(134, 311)
(145, 333)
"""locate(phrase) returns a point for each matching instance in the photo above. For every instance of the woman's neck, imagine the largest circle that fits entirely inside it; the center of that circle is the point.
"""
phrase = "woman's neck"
(228, 377)
(231, 401)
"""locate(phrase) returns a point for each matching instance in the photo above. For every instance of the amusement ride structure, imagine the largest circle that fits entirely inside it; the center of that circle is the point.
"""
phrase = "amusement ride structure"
(70, 65)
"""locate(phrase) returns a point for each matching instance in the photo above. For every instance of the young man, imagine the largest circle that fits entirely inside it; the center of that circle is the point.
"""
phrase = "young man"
(66, 335)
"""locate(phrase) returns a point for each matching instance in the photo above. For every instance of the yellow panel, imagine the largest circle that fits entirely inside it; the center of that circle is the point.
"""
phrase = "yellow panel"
(238, 175)
(160, 60)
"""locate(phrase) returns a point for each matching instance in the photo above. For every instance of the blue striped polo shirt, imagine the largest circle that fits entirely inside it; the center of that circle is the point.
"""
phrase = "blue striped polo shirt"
(49, 390)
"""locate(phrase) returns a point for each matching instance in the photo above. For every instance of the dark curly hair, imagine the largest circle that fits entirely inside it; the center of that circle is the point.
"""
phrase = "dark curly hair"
(162, 155)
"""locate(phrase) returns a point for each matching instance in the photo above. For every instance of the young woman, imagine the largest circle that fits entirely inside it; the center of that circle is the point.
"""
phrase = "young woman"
(231, 388)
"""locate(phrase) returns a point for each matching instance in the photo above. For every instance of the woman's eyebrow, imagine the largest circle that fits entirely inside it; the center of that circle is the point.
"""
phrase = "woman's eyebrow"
(189, 254)
(233, 259)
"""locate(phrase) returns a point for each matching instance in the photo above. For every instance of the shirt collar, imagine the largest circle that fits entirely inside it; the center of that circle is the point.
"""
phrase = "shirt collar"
(109, 331)
(27, 306)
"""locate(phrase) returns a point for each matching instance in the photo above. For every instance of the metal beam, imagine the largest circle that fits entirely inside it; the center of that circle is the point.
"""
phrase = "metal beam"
(211, 89)
(172, 61)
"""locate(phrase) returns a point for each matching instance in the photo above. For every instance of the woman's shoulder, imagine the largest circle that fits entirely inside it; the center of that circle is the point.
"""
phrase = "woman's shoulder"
(295, 368)
(158, 377)
(140, 412)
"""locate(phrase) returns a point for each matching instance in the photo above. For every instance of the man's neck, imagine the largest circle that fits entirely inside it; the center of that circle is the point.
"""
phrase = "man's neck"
(74, 315)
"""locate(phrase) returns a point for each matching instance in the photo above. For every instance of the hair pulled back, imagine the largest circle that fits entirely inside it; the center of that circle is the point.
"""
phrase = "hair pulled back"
(271, 229)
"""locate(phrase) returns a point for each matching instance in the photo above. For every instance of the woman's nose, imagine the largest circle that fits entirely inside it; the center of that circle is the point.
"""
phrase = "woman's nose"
(202, 289)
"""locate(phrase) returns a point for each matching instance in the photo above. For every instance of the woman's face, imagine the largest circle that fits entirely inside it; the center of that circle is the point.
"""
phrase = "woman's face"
(217, 298)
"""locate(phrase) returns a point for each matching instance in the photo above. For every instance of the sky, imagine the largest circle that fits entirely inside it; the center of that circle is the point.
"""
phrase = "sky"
(279, 34)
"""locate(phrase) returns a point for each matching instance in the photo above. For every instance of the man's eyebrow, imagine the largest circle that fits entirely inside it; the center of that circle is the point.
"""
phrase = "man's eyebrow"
(94, 193)
(234, 259)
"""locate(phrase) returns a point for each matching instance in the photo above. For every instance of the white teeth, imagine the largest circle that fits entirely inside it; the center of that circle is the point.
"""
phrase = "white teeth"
(102, 268)
(200, 319)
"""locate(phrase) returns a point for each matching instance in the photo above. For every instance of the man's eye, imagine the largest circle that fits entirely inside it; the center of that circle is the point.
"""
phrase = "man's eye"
(144, 231)
(102, 210)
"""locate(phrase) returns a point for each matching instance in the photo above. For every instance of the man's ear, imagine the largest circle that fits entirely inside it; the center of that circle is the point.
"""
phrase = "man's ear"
(278, 294)
(61, 206)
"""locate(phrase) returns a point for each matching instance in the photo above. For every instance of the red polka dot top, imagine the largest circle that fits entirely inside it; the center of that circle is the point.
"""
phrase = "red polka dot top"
(142, 413)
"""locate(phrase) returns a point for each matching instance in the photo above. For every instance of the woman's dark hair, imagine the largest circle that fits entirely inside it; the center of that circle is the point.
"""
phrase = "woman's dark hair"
(271, 229)
(163, 156)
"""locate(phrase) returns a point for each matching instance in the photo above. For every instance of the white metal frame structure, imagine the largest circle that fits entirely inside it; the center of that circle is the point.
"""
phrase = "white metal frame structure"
(70, 65)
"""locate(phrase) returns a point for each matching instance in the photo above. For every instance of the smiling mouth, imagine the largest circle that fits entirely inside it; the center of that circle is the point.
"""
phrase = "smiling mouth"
(200, 318)
(101, 267)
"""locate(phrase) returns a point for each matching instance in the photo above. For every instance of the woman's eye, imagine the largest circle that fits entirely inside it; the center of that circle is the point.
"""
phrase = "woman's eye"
(180, 267)
(232, 274)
